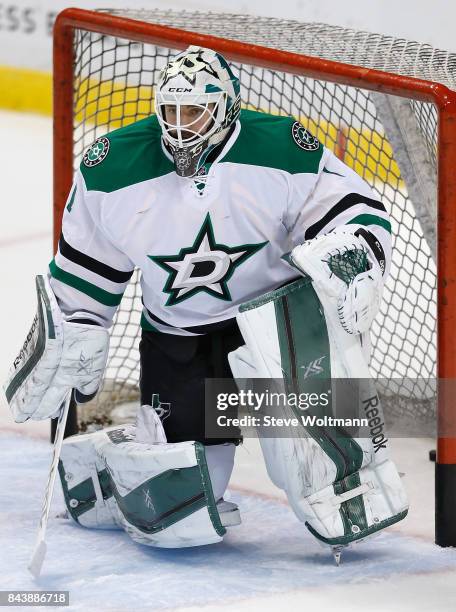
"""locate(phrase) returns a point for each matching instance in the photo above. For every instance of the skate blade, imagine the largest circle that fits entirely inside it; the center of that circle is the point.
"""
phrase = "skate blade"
(337, 553)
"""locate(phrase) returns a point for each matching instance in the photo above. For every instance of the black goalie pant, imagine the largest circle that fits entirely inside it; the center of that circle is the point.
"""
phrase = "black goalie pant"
(175, 367)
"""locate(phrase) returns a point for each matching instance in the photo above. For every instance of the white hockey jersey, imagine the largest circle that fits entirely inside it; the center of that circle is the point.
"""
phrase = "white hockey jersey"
(204, 246)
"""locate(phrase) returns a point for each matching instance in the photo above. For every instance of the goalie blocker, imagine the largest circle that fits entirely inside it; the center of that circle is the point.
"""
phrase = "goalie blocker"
(342, 488)
(57, 356)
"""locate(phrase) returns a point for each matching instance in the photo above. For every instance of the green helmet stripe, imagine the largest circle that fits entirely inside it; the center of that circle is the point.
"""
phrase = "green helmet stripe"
(225, 64)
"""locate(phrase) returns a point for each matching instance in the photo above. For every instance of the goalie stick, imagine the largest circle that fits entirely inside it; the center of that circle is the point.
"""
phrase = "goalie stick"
(39, 552)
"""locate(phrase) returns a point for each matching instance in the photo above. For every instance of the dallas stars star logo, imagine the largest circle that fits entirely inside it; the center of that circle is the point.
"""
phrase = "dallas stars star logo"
(206, 266)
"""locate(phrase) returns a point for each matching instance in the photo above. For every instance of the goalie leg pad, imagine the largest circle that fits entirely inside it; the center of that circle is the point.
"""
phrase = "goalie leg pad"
(358, 505)
(56, 356)
(160, 494)
(340, 487)
(85, 484)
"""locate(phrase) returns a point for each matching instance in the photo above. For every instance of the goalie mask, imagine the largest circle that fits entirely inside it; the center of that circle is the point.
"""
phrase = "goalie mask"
(197, 99)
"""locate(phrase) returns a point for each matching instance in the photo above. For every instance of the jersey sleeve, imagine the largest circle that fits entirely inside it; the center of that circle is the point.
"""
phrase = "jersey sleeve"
(88, 274)
(339, 197)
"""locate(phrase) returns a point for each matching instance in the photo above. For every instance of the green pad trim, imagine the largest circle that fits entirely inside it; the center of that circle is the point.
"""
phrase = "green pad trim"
(353, 537)
(83, 492)
(25, 371)
(272, 296)
(162, 500)
(207, 488)
(352, 511)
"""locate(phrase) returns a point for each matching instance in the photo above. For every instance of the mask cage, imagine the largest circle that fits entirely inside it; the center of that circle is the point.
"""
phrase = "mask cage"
(185, 133)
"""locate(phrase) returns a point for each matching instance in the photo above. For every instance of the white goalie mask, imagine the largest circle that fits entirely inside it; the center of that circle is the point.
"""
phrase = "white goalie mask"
(197, 99)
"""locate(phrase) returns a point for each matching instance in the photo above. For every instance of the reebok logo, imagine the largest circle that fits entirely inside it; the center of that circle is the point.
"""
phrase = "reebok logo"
(24, 350)
(375, 423)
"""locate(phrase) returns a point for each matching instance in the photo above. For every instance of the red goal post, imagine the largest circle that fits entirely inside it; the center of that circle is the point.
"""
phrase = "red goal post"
(438, 94)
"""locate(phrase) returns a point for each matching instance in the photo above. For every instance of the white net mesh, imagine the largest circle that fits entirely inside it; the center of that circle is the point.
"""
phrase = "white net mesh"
(113, 87)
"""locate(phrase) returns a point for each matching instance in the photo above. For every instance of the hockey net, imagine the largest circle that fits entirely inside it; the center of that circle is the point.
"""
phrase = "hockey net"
(390, 141)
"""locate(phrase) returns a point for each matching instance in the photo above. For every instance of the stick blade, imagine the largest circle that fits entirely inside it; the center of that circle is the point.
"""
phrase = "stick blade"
(36, 562)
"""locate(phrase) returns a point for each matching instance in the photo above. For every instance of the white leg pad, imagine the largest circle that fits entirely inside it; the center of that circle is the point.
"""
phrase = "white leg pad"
(342, 488)
(161, 494)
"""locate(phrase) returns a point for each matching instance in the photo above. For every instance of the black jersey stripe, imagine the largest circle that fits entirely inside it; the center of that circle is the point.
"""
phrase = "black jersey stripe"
(352, 199)
(96, 293)
(195, 329)
(72, 254)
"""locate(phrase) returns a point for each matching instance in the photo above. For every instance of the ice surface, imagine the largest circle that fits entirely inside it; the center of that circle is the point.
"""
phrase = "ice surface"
(270, 553)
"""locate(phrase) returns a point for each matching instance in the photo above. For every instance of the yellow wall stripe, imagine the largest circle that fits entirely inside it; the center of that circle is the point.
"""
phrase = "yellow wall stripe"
(25, 90)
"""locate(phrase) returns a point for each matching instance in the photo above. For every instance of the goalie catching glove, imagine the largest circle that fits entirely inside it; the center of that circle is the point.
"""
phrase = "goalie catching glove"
(341, 265)
(56, 356)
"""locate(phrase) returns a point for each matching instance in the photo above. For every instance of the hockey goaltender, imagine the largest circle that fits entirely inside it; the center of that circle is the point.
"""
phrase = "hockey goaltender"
(262, 255)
